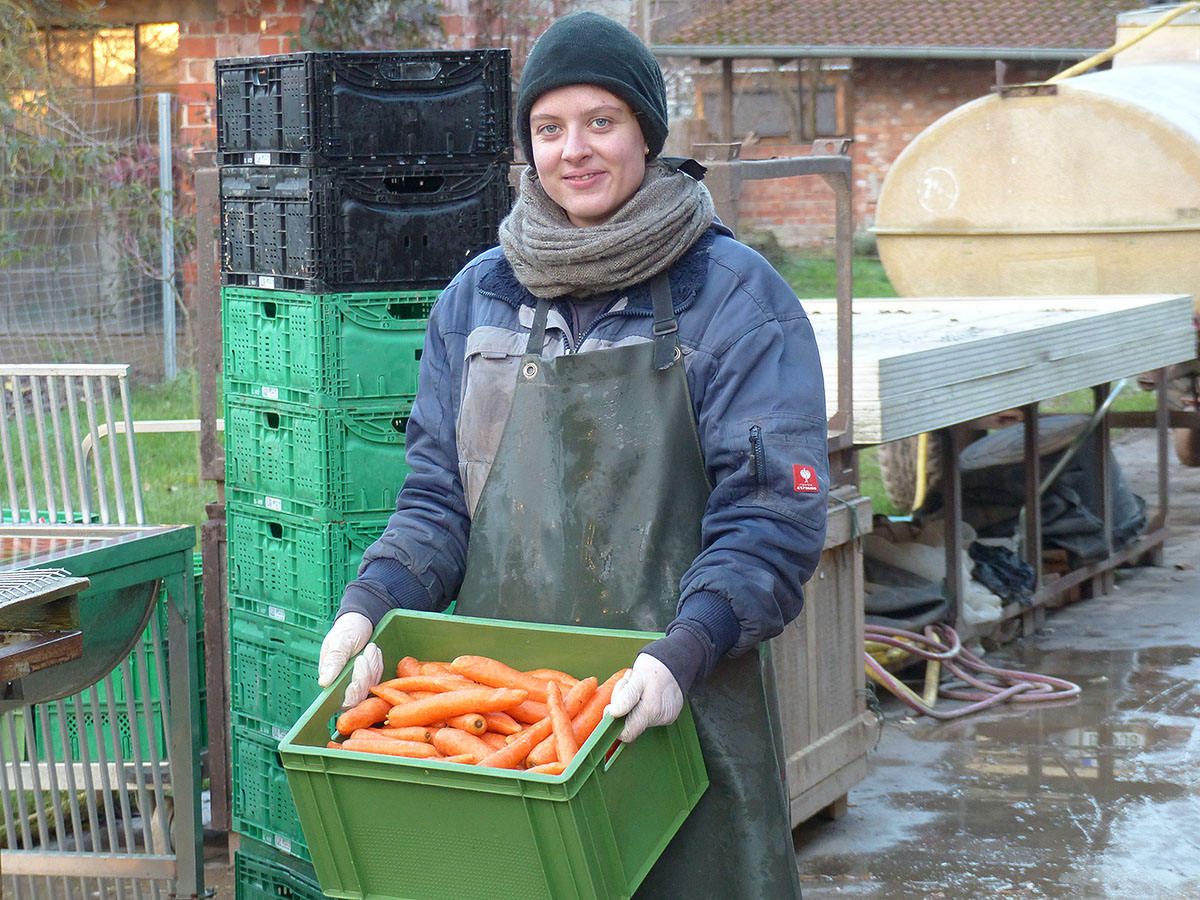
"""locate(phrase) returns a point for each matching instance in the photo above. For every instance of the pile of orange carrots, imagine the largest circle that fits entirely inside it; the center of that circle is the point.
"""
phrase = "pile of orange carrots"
(478, 711)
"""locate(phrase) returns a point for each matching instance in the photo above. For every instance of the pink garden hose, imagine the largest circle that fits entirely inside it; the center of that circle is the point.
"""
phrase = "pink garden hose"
(975, 681)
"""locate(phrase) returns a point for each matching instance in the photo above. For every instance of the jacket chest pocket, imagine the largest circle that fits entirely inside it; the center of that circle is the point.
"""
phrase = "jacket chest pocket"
(493, 357)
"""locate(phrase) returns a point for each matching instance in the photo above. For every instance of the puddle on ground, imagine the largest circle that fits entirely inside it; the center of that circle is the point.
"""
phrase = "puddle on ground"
(1093, 799)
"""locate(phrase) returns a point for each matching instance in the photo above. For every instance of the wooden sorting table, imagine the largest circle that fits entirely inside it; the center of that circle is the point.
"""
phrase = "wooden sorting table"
(937, 364)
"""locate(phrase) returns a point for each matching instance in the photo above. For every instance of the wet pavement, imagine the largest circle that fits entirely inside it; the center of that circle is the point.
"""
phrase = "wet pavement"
(1092, 799)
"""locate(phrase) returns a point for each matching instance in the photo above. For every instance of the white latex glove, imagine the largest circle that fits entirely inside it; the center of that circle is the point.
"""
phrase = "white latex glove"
(350, 634)
(648, 695)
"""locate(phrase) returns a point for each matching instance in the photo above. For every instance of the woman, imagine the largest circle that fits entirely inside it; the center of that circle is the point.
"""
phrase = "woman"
(620, 423)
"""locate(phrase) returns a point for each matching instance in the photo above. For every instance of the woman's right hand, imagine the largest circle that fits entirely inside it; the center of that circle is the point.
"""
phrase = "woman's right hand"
(350, 634)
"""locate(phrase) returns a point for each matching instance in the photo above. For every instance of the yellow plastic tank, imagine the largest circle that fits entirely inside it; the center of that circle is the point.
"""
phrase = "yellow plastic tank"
(1091, 185)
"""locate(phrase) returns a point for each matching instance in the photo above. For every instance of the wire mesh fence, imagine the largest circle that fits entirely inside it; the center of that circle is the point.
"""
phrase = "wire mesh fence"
(82, 227)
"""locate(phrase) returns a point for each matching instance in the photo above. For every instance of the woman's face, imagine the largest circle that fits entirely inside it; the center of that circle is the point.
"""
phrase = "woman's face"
(588, 150)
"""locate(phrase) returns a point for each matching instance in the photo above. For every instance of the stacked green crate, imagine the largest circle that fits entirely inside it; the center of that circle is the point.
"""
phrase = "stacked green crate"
(262, 873)
(318, 391)
(353, 186)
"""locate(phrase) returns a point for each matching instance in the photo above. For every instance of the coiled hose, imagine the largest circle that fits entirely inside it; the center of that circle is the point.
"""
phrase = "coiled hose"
(975, 681)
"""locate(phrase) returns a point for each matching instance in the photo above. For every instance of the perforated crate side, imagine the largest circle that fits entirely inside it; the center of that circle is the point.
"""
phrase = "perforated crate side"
(262, 873)
(360, 228)
(116, 730)
(294, 570)
(261, 803)
(316, 462)
(323, 349)
(406, 107)
(272, 673)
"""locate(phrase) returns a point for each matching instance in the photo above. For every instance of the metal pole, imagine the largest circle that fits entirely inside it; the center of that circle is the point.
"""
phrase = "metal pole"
(167, 238)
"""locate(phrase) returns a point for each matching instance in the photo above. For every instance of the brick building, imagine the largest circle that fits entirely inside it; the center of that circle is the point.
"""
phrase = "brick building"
(781, 72)
(772, 74)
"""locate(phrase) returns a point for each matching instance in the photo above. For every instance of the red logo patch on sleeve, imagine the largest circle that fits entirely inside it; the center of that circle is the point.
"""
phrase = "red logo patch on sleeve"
(804, 480)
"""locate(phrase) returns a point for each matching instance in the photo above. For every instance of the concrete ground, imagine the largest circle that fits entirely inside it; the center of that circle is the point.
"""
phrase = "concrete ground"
(1092, 799)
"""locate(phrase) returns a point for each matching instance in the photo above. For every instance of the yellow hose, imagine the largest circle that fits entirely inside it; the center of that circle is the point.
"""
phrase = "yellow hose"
(922, 475)
(1105, 55)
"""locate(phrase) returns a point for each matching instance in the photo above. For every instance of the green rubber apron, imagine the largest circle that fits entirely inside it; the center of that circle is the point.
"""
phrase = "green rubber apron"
(590, 516)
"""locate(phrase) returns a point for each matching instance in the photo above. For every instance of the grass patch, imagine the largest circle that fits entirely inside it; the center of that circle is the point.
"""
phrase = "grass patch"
(813, 277)
(169, 464)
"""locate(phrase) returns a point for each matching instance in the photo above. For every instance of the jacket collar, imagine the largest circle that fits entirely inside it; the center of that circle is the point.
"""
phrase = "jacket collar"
(686, 276)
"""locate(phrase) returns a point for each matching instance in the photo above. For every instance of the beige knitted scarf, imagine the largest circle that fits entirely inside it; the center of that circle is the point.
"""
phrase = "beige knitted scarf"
(656, 226)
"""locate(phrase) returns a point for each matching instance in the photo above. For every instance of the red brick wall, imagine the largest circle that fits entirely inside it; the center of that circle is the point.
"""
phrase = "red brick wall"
(891, 101)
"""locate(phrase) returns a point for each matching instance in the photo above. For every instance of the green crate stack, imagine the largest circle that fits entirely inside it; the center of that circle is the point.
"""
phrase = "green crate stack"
(318, 391)
(262, 873)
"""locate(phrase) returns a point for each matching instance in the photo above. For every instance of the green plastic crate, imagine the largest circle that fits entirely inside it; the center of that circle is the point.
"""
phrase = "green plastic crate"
(313, 462)
(323, 349)
(262, 873)
(261, 805)
(294, 570)
(399, 829)
(272, 671)
(148, 725)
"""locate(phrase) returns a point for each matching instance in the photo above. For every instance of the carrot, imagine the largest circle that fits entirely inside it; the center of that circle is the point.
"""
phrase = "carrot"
(366, 714)
(530, 712)
(333, 745)
(463, 759)
(547, 750)
(589, 717)
(456, 742)
(435, 668)
(565, 743)
(501, 723)
(510, 755)
(431, 683)
(410, 733)
(552, 768)
(472, 723)
(565, 681)
(391, 695)
(519, 745)
(390, 747)
(492, 739)
(453, 703)
(486, 670)
(407, 666)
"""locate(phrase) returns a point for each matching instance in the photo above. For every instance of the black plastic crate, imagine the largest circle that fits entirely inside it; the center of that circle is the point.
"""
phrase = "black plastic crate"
(407, 107)
(357, 228)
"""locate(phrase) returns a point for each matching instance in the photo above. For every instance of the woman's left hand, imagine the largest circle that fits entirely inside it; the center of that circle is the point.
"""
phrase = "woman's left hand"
(648, 695)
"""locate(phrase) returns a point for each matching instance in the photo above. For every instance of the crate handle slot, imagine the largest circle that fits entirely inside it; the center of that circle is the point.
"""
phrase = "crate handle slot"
(411, 70)
(414, 184)
(272, 419)
(610, 758)
(406, 310)
(269, 310)
(276, 529)
(400, 424)
(261, 77)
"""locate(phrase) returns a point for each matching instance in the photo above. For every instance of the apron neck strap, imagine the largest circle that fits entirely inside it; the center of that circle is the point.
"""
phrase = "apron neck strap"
(666, 326)
(537, 335)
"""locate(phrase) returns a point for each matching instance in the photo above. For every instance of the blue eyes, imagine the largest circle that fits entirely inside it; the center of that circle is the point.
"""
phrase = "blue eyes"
(551, 129)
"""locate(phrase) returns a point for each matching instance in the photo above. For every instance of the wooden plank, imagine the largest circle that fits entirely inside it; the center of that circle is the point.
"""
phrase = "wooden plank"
(926, 363)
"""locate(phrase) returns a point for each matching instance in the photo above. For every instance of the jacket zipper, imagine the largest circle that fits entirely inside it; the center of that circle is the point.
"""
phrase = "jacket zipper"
(758, 462)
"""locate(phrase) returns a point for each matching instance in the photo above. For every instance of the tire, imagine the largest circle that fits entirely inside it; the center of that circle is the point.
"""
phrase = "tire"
(898, 468)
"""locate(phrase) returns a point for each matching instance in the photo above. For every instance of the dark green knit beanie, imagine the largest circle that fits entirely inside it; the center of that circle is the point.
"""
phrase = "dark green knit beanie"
(586, 48)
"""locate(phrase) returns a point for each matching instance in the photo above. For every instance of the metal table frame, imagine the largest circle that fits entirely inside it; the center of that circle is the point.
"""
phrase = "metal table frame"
(116, 557)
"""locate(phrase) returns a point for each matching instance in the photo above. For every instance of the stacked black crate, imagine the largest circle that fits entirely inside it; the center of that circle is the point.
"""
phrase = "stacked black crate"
(353, 186)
